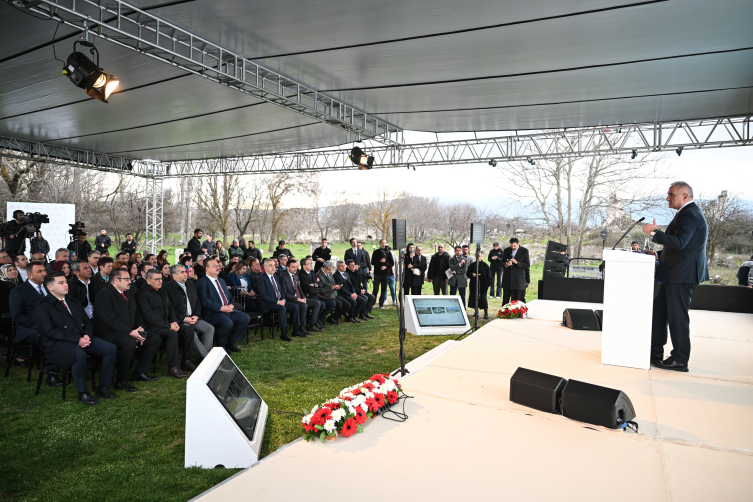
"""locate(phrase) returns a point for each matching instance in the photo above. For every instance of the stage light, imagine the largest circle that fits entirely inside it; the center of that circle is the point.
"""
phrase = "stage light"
(531, 161)
(414, 167)
(635, 154)
(679, 151)
(89, 76)
(493, 163)
(359, 158)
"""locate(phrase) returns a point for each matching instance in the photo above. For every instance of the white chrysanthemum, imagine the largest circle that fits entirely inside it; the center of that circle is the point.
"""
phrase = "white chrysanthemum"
(389, 385)
(330, 426)
(313, 410)
(351, 409)
(338, 414)
(359, 399)
(364, 407)
(369, 395)
(307, 419)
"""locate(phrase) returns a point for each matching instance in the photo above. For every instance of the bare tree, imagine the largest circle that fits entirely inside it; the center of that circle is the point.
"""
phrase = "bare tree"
(250, 198)
(726, 217)
(215, 198)
(380, 213)
(344, 216)
(457, 221)
(23, 180)
(280, 186)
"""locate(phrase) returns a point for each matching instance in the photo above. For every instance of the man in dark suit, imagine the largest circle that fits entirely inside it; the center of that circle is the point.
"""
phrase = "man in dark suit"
(682, 266)
(118, 321)
(282, 265)
(159, 317)
(272, 299)
(516, 274)
(495, 267)
(320, 255)
(229, 324)
(414, 270)
(140, 281)
(348, 293)
(185, 301)
(67, 338)
(360, 291)
(328, 289)
(359, 260)
(365, 265)
(382, 261)
(22, 301)
(82, 288)
(439, 264)
(313, 287)
(294, 296)
(194, 245)
(129, 245)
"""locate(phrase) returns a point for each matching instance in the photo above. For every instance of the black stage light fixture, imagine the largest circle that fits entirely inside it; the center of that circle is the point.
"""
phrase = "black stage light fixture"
(89, 76)
(359, 158)
(493, 163)
(635, 154)
(679, 151)
(531, 161)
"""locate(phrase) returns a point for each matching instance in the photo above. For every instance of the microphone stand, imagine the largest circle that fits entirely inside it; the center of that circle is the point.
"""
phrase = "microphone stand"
(628, 231)
(401, 314)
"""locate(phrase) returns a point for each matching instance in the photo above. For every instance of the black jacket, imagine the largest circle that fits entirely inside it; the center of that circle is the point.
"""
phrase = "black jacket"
(418, 263)
(77, 290)
(40, 246)
(102, 242)
(376, 262)
(252, 253)
(194, 247)
(325, 254)
(80, 248)
(361, 258)
(438, 265)
(288, 288)
(683, 258)
(495, 264)
(517, 275)
(178, 299)
(156, 309)
(61, 330)
(129, 248)
(115, 316)
(347, 286)
(310, 283)
(279, 251)
(17, 244)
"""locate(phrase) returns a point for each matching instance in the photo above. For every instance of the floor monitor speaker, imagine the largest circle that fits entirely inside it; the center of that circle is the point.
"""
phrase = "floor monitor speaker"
(584, 319)
(596, 405)
(536, 390)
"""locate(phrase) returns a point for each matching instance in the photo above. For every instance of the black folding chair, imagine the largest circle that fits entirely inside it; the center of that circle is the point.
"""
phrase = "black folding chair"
(15, 349)
(257, 318)
(63, 373)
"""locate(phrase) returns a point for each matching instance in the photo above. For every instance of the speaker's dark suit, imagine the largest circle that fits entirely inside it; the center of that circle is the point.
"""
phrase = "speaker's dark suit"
(682, 266)
(270, 293)
(114, 319)
(61, 330)
(158, 314)
(346, 292)
(23, 300)
(232, 325)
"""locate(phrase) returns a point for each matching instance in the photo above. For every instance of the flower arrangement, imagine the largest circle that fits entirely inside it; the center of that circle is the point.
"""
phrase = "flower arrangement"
(345, 414)
(513, 310)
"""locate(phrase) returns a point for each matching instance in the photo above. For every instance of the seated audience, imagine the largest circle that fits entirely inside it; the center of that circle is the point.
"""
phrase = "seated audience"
(294, 296)
(219, 249)
(282, 265)
(140, 281)
(165, 270)
(198, 267)
(68, 338)
(82, 289)
(329, 289)
(281, 250)
(239, 278)
(105, 267)
(93, 259)
(136, 258)
(122, 255)
(360, 291)
(745, 273)
(161, 257)
(185, 301)
(63, 266)
(314, 288)
(348, 293)
(61, 255)
(133, 270)
(21, 262)
(8, 280)
(272, 299)
(219, 311)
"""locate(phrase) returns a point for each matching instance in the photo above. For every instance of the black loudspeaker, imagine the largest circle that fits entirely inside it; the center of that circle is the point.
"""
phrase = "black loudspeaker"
(536, 390)
(600, 318)
(580, 319)
(398, 234)
(596, 405)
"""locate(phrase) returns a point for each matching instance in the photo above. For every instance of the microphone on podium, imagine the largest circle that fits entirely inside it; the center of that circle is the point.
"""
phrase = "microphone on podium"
(628, 231)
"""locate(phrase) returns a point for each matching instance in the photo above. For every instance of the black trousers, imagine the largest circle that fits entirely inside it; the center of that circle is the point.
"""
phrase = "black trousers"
(232, 326)
(454, 290)
(416, 289)
(302, 310)
(513, 295)
(380, 281)
(170, 338)
(370, 301)
(127, 347)
(671, 306)
(496, 291)
(439, 285)
(329, 306)
(98, 348)
(341, 308)
(282, 317)
(315, 306)
(357, 305)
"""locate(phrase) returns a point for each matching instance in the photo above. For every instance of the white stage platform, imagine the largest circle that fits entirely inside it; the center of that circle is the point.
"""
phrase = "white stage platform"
(465, 440)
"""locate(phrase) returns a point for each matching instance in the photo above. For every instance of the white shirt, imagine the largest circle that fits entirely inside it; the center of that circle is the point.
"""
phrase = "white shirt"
(272, 280)
(23, 274)
(188, 302)
(89, 307)
(39, 288)
(217, 287)
(683, 206)
(293, 279)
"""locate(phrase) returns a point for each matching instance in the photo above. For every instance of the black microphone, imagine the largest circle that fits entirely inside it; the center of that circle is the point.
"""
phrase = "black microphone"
(628, 231)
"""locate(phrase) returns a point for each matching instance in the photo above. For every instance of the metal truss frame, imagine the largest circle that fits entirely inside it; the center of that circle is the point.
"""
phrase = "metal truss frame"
(128, 26)
(620, 140)
(154, 214)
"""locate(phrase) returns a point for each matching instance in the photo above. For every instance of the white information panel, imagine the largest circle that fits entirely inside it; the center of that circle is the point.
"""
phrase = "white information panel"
(435, 315)
(225, 417)
(56, 231)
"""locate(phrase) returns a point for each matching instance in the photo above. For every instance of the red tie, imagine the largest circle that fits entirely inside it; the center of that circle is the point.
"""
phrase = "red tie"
(297, 291)
(222, 293)
(124, 296)
(66, 306)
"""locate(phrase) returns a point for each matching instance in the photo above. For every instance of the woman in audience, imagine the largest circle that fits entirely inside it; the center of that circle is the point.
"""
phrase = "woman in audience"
(165, 269)
(133, 270)
(235, 250)
(119, 264)
(239, 276)
(8, 281)
(161, 257)
(136, 258)
(64, 266)
(72, 258)
(219, 250)
(191, 275)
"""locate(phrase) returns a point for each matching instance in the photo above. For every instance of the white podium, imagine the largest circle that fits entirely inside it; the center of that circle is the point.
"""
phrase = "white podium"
(628, 306)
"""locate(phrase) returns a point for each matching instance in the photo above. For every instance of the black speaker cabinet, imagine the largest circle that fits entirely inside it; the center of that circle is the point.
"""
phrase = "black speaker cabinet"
(600, 318)
(536, 390)
(584, 319)
(596, 405)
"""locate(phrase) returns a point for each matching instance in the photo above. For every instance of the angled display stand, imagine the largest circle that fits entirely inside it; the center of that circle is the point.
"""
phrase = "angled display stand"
(435, 315)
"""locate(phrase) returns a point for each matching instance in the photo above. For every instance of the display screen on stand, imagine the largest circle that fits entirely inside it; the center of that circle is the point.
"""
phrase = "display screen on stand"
(439, 312)
(237, 396)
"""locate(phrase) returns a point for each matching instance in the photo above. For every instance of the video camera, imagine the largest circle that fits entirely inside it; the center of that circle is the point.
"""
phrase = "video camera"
(29, 224)
(76, 229)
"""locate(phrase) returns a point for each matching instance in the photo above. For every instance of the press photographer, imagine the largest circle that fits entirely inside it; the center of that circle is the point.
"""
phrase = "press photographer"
(21, 227)
(78, 242)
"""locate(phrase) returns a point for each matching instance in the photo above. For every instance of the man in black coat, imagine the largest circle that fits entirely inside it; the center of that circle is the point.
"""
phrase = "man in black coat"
(118, 321)
(67, 338)
(414, 269)
(294, 295)
(365, 265)
(194, 245)
(348, 293)
(185, 301)
(129, 245)
(382, 261)
(313, 288)
(80, 246)
(516, 274)
(495, 267)
(160, 317)
(439, 264)
(82, 288)
(103, 242)
(252, 252)
(362, 293)
(320, 255)
(15, 243)
(682, 266)
(281, 250)
(360, 269)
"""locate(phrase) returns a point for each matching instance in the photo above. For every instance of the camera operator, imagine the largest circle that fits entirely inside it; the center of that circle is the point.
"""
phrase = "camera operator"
(40, 245)
(80, 246)
(15, 234)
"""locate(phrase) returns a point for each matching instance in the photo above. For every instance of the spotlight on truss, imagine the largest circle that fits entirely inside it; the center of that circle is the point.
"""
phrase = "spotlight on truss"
(89, 76)
(679, 151)
(634, 155)
(531, 161)
(493, 163)
(359, 158)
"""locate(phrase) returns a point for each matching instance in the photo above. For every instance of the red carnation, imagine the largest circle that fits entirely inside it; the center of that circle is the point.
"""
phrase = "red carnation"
(346, 398)
(514, 312)
(360, 415)
(378, 378)
(506, 312)
(308, 427)
(355, 392)
(379, 397)
(372, 404)
(369, 386)
(392, 397)
(331, 406)
(320, 416)
(349, 428)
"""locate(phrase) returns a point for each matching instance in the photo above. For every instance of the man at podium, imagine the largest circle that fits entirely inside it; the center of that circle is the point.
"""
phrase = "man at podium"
(682, 266)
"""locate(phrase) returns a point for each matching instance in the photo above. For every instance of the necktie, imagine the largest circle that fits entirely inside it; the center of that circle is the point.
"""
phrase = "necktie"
(222, 293)
(297, 290)
(40, 290)
(277, 292)
(66, 306)
(124, 296)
